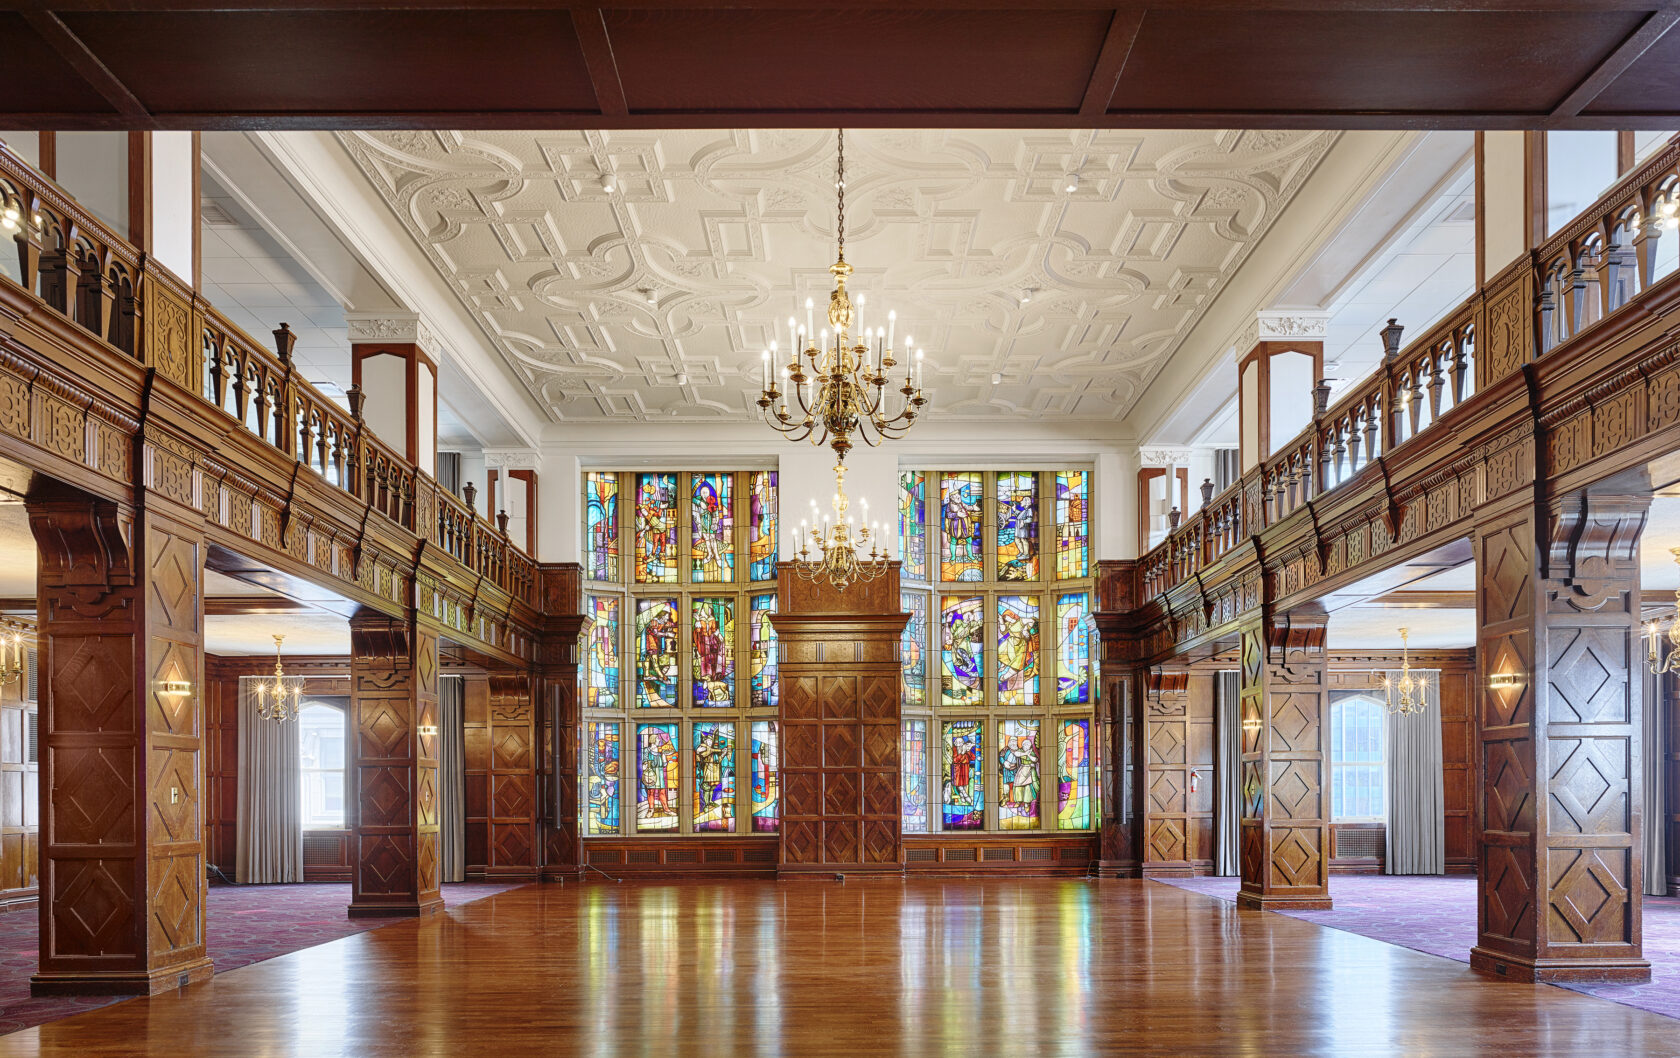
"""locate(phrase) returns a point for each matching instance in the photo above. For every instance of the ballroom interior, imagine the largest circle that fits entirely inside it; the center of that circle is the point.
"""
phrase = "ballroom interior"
(599, 529)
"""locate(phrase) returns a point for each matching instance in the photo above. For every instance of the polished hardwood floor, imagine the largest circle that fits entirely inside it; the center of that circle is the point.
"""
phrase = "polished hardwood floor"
(915, 967)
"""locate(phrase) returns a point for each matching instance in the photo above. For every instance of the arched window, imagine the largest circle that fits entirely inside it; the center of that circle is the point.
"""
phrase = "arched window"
(321, 759)
(1358, 744)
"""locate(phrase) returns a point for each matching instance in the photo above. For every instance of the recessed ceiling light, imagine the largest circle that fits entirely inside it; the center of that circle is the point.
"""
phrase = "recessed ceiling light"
(609, 184)
(682, 380)
(1026, 295)
(997, 379)
(648, 294)
(1071, 183)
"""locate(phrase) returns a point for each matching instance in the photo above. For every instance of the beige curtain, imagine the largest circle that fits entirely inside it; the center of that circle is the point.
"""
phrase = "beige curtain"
(1227, 768)
(269, 825)
(1417, 816)
(452, 766)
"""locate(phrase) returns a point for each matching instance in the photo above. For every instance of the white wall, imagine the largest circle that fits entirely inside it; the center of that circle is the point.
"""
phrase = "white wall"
(174, 212)
(1502, 193)
(26, 145)
(385, 403)
(1291, 398)
(93, 166)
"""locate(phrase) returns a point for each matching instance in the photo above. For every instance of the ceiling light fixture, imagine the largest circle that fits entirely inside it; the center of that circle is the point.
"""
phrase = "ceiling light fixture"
(1405, 694)
(648, 295)
(844, 396)
(997, 379)
(609, 183)
(13, 637)
(839, 543)
(1071, 183)
(278, 698)
(1027, 295)
(1655, 660)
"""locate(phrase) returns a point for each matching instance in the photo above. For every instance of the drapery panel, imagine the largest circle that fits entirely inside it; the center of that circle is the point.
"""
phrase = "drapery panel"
(268, 842)
(452, 789)
(1227, 766)
(1656, 812)
(1416, 816)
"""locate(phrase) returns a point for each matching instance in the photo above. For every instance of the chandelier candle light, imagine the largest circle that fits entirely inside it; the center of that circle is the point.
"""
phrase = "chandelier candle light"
(839, 543)
(849, 365)
(278, 698)
(1655, 661)
(11, 654)
(1406, 694)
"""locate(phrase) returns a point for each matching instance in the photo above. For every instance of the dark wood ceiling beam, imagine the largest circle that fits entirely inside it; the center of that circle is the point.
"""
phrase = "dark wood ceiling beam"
(86, 64)
(240, 605)
(591, 27)
(1111, 62)
(1323, 6)
(1617, 62)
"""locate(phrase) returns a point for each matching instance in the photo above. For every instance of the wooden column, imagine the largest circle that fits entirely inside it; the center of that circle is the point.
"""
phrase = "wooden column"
(511, 778)
(394, 767)
(1559, 870)
(1285, 831)
(120, 601)
(839, 672)
(1118, 712)
(558, 715)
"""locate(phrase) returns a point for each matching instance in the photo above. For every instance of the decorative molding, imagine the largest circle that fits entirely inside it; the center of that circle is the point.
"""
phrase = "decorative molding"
(513, 459)
(1271, 325)
(397, 327)
(1165, 455)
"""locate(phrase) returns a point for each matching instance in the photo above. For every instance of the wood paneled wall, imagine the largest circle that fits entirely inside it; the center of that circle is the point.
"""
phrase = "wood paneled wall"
(501, 778)
(20, 787)
(1178, 822)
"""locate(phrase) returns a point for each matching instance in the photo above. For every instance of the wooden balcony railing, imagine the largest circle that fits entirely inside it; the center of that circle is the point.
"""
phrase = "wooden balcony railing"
(82, 270)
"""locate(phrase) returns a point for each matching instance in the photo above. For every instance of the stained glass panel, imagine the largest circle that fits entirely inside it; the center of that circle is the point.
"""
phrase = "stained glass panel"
(913, 762)
(656, 528)
(1018, 777)
(764, 690)
(1073, 524)
(603, 772)
(912, 524)
(961, 553)
(603, 653)
(960, 631)
(1017, 650)
(1073, 648)
(965, 805)
(766, 780)
(762, 523)
(656, 782)
(1017, 525)
(601, 524)
(1073, 775)
(712, 529)
(714, 776)
(714, 652)
(912, 648)
(656, 653)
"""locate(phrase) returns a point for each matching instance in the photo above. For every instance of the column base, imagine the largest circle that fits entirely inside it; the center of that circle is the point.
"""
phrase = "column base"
(405, 910)
(1507, 967)
(1282, 901)
(121, 982)
(1118, 869)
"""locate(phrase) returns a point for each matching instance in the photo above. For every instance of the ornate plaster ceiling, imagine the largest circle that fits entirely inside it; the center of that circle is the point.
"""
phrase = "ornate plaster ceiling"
(731, 230)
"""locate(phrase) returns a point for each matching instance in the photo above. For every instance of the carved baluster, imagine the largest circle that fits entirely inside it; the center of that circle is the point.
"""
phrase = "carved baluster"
(1612, 269)
(1461, 339)
(1414, 398)
(1647, 239)
(1437, 380)
(61, 273)
(125, 320)
(29, 241)
(94, 298)
(284, 389)
(1576, 290)
(1373, 423)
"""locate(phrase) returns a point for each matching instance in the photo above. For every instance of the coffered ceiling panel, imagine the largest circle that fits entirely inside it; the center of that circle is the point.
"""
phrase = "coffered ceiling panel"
(728, 231)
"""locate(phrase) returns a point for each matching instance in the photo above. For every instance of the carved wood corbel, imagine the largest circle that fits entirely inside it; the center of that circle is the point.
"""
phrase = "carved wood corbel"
(86, 553)
(1593, 544)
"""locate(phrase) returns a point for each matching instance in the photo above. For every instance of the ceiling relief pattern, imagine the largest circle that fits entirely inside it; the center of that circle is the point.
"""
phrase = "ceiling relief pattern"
(729, 230)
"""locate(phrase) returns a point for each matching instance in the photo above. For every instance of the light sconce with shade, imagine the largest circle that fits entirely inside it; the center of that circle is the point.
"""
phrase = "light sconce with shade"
(1504, 681)
(1654, 657)
(174, 688)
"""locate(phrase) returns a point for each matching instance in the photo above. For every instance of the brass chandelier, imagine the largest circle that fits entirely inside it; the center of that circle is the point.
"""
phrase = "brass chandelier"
(12, 646)
(1406, 694)
(279, 696)
(839, 543)
(845, 395)
(1655, 661)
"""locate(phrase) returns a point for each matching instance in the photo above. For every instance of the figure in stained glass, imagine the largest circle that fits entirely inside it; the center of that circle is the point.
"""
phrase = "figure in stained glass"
(964, 555)
(601, 525)
(603, 653)
(1018, 774)
(766, 785)
(1017, 535)
(656, 528)
(1073, 778)
(912, 647)
(964, 791)
(714, 656)
(764, 690)
(656, 790)
(656, 658)
(1073, 646)
(914, 784)
(603, 774)
(712, 528)
(1017, 656)
(761, 546)
(912, 524)
(960, 625)
(1073, 524)
(714, 776)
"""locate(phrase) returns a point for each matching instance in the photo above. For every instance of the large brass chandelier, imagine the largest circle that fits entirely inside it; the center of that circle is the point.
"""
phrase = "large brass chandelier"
(1655, 661)
(839, 543)
(278, 697)
(14, 640)
(845, 395)
(1406, 693)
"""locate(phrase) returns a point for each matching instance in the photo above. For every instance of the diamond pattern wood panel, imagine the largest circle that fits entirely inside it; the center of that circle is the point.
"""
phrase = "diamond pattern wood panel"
(512, 777)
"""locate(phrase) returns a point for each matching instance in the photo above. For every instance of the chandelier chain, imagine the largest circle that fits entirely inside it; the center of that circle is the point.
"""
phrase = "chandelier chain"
(840, 196)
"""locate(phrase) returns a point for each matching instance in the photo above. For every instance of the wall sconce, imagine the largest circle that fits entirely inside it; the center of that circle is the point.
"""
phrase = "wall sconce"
(427, 729)
(175, 688)
(1504, 681)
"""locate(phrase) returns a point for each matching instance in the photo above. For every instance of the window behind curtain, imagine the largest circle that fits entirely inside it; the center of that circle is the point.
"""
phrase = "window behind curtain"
(321, 757)
(1358, 743)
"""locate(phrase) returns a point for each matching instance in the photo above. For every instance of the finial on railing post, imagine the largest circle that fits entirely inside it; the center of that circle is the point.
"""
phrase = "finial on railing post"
(1173, 517)
(1207, 491)
(284, 340)
(1391, 340)
(355, 399)
(501, 522)
(1321, 397)
(469, 492)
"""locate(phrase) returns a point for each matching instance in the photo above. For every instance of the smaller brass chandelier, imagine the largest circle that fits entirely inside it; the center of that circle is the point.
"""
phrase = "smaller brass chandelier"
(1407, 693)
(14, 640)
(1654, 660)
(839, 543)
(278, 698)
(845, 396)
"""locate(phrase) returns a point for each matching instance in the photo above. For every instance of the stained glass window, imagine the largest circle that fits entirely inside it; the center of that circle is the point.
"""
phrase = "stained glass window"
(1073, 647)
(1073, 778)
(764, 690)
(603, 653)
(913, 766)
(713, 654)
(656, 653)
(912, 651)
(1017, 650)
(656, 528)
(714, 776)
(603, 771)
(961, 772)
(656, 776)
(962, 555)
(762, 523)
(1073, 524)
(766, 781)
(912, 525)
(601, 525)
(960, 656)
(712, 529)
(1018, 775)
(1017, 525)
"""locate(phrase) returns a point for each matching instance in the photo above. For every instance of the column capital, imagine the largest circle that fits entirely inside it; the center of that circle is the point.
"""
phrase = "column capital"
(513, 458)
(1281, 325)
(395, 327)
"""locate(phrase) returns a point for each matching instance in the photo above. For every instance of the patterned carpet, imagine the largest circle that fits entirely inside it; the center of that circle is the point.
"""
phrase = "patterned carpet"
(246, 924)
(1437, 915)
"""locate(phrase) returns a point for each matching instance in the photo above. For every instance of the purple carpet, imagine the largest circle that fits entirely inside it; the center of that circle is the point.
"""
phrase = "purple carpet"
(245, 924)
(1437, 915)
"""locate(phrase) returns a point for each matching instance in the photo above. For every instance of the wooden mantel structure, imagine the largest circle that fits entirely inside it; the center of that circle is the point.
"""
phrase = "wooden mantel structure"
(162, 440)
